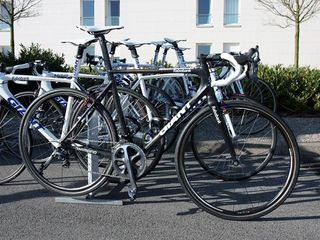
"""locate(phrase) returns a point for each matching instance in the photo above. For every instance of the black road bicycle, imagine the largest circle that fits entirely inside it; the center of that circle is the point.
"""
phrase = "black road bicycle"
(240, 176)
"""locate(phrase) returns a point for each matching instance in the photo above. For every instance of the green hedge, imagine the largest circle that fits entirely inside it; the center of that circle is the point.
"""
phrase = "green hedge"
(298, 90)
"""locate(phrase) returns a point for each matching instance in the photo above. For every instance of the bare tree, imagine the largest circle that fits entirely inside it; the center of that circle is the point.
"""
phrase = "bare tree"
(294, 12)
(13, 10)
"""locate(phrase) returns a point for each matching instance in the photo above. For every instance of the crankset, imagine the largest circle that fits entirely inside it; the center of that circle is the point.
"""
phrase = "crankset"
(129, 162)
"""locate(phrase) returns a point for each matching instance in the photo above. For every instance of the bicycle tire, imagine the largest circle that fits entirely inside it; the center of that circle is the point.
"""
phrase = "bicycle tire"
(11, 163)
(56, 168)
(261, 92)
(246, 198)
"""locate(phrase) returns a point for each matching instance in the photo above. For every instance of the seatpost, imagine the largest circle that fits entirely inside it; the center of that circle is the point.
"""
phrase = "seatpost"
(112, 50)
(77, 65)
(103, 44)
(134, 55)
(164, 56)
(156, 54)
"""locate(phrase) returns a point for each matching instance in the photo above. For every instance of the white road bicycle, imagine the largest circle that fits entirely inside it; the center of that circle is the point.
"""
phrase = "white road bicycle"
(135, 107)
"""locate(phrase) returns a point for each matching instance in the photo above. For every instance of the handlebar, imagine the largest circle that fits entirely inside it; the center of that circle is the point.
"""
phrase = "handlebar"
(233, 76)
(11, 70)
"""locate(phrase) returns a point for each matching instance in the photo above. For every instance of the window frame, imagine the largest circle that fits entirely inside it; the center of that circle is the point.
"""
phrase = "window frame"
(210, 23)
(82, 18)
(203, 44)
(231, 44)
(238, 24)
(108, 17)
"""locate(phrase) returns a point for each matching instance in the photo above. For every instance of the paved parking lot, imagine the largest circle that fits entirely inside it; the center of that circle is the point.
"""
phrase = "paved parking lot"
(161, 211)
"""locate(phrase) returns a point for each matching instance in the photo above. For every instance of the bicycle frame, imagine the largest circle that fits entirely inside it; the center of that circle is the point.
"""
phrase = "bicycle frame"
(204, 92)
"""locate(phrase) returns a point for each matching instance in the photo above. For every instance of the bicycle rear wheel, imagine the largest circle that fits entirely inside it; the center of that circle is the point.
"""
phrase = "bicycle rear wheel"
(261, 92)
(260, 178)
(57, 166)
(173, 88)
(11, 164)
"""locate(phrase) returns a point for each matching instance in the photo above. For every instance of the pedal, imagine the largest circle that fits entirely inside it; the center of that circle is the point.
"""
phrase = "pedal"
(132, 191)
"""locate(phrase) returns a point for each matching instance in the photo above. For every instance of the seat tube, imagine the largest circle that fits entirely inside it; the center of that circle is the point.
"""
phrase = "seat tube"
(181, 64)
(69, 109)
(123, 128)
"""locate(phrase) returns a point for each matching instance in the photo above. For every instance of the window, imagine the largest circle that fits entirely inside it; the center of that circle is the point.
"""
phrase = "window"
(112, 12)
(203, 48)
(87, 12)
(231, 12)
(204, 12)
(4, 15)
(231, 47)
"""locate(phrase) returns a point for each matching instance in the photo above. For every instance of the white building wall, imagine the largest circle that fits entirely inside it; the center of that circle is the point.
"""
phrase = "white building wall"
(147, 20)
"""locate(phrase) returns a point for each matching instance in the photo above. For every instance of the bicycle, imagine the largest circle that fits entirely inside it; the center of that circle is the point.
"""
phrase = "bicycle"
(119, 157)
(22, 100)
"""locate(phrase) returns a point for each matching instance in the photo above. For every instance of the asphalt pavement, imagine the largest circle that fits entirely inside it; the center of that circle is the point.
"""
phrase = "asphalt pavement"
(162, 210)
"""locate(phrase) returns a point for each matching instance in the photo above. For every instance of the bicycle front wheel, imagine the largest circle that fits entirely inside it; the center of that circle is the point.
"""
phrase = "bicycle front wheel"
(54, 160)
(253, 184)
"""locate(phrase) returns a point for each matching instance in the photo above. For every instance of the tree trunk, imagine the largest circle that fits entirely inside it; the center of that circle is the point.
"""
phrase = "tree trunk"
(12, 39)
(296, 44)
(12, 28)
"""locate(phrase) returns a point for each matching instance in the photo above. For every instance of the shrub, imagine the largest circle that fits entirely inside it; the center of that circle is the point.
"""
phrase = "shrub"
(54, 61)
(298, 90)
(8, 59)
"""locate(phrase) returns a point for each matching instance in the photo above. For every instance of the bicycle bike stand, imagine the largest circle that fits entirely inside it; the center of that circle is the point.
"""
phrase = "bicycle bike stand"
(93, 169)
